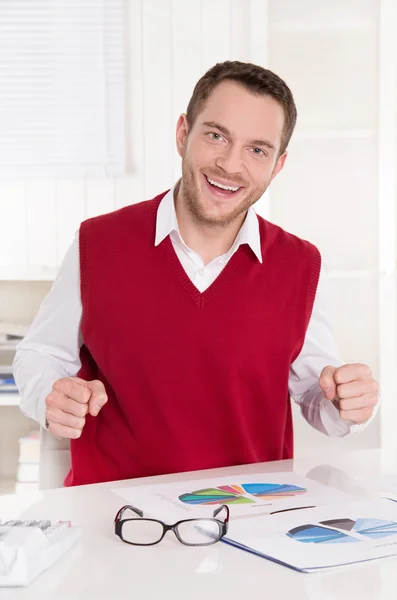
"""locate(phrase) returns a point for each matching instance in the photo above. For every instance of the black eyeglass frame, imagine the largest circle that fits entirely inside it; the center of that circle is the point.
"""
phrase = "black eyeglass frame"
(223, 525)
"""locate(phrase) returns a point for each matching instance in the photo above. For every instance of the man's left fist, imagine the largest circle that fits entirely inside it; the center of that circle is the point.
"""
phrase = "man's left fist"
(354, 388)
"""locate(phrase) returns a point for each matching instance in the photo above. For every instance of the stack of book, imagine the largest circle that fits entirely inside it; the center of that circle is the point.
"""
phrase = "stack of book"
(28, 463)
(10, 336)
(7, 382)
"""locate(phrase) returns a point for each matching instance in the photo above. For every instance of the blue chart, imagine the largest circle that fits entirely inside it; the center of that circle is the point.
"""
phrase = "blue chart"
(338, 531)
(374, 528)
(316, 534)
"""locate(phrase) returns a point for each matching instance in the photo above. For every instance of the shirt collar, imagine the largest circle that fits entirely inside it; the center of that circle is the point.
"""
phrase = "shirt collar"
(250, 234)
(166, 223)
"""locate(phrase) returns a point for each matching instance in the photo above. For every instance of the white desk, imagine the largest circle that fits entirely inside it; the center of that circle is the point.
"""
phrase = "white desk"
(103, 567)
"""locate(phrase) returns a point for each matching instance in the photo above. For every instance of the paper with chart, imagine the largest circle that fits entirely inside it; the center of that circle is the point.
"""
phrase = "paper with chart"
(324, 537)
(244, 494)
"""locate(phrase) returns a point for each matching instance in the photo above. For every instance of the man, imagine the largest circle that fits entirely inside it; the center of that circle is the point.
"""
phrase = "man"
(178, 328)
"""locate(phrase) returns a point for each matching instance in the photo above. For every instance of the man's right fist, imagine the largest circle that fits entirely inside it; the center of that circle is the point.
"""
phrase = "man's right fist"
(68, 403)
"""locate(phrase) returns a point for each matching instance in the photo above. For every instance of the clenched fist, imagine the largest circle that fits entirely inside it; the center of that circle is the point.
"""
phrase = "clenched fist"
(68, 403)
(354, 388)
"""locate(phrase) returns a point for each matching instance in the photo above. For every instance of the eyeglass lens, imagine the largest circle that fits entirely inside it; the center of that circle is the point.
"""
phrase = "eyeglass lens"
(199, 531)
(142, 531)
(192, 532)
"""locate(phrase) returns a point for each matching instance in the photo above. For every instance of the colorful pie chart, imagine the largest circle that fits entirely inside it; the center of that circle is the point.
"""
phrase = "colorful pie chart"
(244, 493)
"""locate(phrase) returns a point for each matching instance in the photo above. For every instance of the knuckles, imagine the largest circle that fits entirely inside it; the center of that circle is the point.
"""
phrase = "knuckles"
(361, 415)
(373, 387)
(373, 401)
(58, 388)
(51, 399)
(58, 385)
(367, 372)
(59, 431)
(351, 404)
(350, 372)
(77, 433)
(338, 377)
(81, 410)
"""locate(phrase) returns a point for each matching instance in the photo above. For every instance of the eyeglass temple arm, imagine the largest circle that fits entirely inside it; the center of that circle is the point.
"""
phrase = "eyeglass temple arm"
(124, 508)
(218, 510)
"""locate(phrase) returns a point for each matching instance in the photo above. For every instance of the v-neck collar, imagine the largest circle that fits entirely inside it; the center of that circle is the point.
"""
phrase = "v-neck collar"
(201, 298)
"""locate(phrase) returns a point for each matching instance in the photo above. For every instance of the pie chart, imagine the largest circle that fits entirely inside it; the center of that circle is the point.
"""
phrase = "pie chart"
(316, 534)
(370, 528)
(323, 534)
(244, 493)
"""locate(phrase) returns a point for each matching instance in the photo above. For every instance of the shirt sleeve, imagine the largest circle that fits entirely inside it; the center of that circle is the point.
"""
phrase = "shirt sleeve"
(51, 348)
(318, 351)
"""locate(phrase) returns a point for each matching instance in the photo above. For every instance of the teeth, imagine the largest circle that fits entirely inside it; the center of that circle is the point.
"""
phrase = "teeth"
(223, 187)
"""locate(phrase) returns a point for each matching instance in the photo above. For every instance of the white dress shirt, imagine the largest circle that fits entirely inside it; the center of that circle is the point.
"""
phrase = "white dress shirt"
(50, 350)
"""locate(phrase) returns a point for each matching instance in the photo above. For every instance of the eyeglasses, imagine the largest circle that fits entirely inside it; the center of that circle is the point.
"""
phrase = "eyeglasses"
(191, 532)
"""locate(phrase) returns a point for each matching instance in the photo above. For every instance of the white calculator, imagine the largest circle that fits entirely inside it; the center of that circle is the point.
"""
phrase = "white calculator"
(27, 548)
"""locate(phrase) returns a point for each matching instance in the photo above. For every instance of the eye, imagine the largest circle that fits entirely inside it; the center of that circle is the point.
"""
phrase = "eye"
(215, 136)
(259, 152)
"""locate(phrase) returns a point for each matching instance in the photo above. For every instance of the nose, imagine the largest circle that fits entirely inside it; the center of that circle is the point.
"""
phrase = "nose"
(230, 160)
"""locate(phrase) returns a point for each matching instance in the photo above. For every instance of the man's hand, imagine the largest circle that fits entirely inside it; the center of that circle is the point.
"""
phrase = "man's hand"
(354, 388)
(68, 403)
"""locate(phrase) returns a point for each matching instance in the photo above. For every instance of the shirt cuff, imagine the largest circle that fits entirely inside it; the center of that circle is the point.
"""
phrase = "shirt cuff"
(333, 424)
(42, 413)
(323, 414)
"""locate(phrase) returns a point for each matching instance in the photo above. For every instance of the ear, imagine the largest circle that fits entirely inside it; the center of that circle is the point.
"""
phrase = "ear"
(182, 131)
(279, 165)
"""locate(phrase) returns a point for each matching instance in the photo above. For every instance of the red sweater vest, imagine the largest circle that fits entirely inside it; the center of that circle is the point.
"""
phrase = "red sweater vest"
(194, 380)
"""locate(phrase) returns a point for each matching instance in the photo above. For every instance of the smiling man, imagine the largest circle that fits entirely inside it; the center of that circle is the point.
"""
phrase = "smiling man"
(178, 328)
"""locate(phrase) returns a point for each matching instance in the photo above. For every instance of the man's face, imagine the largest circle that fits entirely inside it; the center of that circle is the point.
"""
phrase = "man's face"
(234, 143)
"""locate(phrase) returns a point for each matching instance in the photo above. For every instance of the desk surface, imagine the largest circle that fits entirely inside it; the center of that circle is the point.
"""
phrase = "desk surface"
(102, 567)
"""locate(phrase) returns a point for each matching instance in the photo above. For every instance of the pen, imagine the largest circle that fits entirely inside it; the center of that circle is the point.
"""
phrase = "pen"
(288, 509)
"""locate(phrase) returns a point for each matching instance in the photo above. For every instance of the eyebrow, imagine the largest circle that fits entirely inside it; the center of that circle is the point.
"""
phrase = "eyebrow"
(225, 131)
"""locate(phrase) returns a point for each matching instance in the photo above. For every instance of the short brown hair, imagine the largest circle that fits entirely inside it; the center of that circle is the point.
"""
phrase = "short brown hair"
(255, 79)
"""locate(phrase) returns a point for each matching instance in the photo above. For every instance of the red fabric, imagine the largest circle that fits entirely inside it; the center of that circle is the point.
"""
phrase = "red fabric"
(194, 380)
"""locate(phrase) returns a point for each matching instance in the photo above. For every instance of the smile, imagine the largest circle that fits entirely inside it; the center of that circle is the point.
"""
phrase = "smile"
(222, 188)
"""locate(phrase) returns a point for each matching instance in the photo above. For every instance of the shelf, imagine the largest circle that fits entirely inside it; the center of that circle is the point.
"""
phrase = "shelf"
(9, 399)
(8, 347)
(27, 273)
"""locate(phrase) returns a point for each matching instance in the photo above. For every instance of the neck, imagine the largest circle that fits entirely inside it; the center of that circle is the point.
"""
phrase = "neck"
(209, 241)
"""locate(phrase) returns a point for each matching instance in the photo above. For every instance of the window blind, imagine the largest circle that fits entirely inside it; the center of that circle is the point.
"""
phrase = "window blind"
(61, 88)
